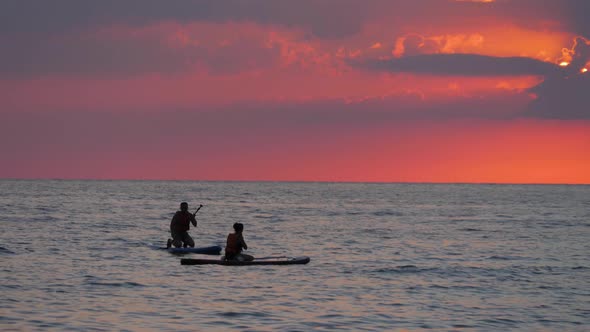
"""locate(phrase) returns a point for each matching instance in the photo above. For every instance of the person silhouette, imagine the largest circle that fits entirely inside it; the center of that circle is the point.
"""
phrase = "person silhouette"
(180, 225)
(235, 244)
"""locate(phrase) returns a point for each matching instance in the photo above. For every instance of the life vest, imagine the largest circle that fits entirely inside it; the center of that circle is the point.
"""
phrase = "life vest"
(233, 245)
(181, 222)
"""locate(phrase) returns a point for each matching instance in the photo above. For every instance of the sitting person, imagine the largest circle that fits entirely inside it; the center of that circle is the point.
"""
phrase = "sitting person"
(235, 244)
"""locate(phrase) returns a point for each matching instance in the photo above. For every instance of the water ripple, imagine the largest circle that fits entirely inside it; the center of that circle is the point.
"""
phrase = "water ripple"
(384, 257)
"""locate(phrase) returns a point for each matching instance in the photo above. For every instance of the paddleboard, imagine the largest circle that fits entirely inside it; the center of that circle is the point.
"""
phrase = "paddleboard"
(256, 261)
(211, 250)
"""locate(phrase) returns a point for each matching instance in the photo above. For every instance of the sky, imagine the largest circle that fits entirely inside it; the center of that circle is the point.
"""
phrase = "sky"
(470, 91)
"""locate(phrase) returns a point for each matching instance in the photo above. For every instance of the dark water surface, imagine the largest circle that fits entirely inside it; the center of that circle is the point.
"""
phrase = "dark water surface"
(77, 255)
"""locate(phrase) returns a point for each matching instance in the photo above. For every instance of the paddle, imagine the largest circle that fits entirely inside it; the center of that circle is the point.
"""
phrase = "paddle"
(200, 206)
(194, 214)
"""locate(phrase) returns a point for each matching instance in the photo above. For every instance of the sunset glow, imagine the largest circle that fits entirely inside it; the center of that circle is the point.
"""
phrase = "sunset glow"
(468, 91)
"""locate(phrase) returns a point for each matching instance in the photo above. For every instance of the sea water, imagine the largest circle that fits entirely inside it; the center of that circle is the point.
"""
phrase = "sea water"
(79, 256)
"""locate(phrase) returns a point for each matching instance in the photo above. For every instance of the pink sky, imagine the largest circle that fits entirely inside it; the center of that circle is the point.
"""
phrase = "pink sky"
(316, 90)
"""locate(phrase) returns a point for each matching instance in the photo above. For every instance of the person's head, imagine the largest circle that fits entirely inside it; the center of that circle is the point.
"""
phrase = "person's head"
(238, 227)
(184, 206)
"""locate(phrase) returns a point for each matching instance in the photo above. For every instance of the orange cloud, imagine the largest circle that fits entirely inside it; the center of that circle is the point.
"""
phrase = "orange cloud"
(578, 55)
(416, 44)
(200, 89)
(219, 64)
(508, 40)
(376, 45)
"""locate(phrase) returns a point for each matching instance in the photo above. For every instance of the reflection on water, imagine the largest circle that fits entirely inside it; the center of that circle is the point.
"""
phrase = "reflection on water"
(78, 255)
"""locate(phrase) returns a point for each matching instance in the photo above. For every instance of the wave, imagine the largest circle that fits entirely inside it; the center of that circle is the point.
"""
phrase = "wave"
(6, 251)
(403, 269)
(385, 213)
(468, 229)
(124, 284)
(505, 258)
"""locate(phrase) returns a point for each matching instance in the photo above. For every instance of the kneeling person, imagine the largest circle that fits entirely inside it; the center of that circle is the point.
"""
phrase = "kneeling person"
(180, 225)
(235, 244)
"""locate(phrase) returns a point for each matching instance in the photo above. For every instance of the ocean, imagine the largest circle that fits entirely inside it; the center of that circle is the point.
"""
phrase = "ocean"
(79, 256)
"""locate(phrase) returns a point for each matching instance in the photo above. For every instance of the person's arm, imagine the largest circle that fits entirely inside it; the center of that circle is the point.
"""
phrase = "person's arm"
(193, 219)
(173, 221)
(243, 243)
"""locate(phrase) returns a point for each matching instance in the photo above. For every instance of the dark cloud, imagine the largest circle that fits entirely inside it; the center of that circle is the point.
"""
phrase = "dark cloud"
(34, 34)
(577, 14)
(567, 15)
(566, 96)
(562, 95)
(124, 53)
(462, 65)
(56, 37)
(77, 54)
(46, 37)
(570, 14)
(325, 18)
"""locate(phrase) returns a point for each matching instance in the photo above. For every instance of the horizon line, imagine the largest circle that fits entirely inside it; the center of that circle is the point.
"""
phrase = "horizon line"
(297, 181)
